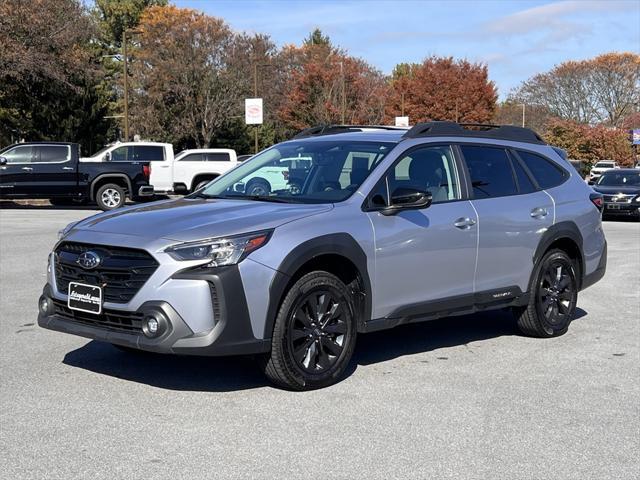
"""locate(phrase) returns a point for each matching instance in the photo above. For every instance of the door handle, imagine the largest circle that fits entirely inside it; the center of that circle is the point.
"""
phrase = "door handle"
(164, 166)
(67, 168)
(464, 223)
(27, 169)
(539, 212)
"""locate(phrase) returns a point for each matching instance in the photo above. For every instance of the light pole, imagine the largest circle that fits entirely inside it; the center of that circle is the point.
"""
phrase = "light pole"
(255, 95)
(523, 114)
(126, 80)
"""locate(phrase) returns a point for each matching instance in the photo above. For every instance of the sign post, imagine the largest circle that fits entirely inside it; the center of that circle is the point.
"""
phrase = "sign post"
(253, 115)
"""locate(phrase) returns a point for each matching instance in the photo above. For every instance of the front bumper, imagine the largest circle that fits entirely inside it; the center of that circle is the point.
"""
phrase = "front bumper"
(621, 208)
(231, 332)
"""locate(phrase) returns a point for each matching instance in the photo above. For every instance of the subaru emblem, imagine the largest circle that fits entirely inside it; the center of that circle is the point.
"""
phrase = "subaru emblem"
(89, 260)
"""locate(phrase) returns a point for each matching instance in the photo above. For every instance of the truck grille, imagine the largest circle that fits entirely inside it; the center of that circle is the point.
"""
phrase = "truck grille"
(619, 198)
(129, 322)
(121, 272)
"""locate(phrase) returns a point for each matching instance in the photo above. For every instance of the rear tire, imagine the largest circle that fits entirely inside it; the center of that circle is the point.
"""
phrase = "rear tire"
(110, 196)
(314, 334)
(258, 187)
(201, 185)
(553, 297)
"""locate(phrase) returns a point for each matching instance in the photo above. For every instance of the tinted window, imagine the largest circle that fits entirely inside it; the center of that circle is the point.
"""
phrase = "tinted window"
(218, 157)
(430, 169)
(525, 185)
(18, 155)
(53, 153)
(147, 153)
(490, 170)
(121, 154)
(192, 157)
(544, 171)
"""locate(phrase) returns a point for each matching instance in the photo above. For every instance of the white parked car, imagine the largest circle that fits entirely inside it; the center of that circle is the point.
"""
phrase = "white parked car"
(599, 168)
(191, 169)
(282, 174)
(143, 152)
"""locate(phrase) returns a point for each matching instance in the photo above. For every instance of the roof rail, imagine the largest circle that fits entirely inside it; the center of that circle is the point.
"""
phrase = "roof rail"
(478, 130)
(331, 129)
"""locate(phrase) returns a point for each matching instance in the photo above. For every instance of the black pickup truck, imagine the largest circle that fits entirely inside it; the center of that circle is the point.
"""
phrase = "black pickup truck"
(53, 170)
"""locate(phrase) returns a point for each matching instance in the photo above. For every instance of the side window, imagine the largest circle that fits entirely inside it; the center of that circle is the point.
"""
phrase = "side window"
(192, 157)
(546, 173)
(430, 169)
(20, 154)
(121, 154)
(53, 154)
(147, 153)
(490, 170)
(218, 157)
(525, 185)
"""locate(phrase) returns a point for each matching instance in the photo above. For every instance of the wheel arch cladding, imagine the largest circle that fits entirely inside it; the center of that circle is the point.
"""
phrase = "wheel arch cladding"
(119, 179)
(564, 236)
(340, 253)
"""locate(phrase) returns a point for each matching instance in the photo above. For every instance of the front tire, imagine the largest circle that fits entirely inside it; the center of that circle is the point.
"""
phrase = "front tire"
(553, 297)
(110, 196)
(314, 334)
(258, 187)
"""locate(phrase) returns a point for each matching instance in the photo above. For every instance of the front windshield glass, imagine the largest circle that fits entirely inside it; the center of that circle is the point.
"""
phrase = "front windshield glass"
(619, 179)
(605, 165)
(301, 172)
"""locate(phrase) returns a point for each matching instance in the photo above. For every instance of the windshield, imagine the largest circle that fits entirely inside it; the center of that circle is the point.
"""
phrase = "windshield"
(605, 165)
(620, 179)
(301, 172)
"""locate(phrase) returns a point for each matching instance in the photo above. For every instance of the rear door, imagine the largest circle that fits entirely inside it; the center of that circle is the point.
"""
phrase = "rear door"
(15, 175)
(512, 215)
(186, 167)
(54, 171)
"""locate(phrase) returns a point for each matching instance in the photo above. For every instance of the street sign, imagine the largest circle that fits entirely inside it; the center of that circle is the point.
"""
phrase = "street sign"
(253, 111)
(402, 121)
(635, 137)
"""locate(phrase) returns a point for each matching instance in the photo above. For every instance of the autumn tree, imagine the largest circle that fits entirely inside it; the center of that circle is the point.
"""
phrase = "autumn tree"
(116, 16)
(442, 89)
(589, 143)
(184, 88)
(49, 73)
(602, 90)
(324, 85)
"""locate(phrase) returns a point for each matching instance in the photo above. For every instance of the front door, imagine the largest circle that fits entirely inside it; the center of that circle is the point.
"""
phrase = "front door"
(15, 174)
(428, 254)
(54, 171)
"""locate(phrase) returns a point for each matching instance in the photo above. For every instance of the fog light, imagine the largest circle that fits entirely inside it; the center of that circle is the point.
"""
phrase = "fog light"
(44, 304)
(154, 324)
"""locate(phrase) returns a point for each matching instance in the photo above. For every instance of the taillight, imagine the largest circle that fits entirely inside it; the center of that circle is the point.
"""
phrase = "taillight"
(285, 174)
(146, 170)
(597, 200)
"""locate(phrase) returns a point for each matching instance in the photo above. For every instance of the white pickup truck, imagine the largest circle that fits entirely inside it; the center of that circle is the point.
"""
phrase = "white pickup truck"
(599, 168)
(191, 169)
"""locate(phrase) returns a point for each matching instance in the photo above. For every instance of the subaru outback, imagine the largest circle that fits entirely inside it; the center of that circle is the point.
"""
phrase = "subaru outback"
(387, 227)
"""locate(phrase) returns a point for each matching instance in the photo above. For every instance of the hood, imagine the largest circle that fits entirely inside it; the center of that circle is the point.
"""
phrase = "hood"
(613, 189)
(185, 219)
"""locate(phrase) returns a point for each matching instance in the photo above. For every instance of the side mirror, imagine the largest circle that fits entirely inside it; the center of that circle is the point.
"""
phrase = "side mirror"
(3, 160)
(407, 199)
(107, 157)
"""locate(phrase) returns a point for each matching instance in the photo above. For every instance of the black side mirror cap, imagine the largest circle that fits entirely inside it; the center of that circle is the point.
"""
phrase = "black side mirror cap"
(407, 199)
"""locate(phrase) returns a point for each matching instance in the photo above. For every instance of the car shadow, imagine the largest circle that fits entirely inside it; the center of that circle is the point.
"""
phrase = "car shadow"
(9, 205)
(223, 374)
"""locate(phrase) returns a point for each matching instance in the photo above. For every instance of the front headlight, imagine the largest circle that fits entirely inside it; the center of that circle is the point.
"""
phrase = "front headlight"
(63, 233)
(220, 251)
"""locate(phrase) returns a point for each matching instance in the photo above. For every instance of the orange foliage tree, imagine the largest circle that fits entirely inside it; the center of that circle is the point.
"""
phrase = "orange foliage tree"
(441, 88)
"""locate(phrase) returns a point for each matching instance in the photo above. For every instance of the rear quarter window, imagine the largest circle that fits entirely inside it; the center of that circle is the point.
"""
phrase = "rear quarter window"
(546, 172)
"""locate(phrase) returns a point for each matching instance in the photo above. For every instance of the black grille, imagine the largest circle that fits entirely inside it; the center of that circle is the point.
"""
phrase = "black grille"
(121, 273)
(117, 320)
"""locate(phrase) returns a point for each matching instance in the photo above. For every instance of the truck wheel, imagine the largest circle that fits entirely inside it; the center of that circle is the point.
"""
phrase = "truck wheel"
(201, 185)
(314, 334)
(553, 297)
(258, 187)
(110, 196)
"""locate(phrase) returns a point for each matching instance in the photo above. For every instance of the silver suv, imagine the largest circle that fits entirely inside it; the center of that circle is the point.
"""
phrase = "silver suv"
(385, 227)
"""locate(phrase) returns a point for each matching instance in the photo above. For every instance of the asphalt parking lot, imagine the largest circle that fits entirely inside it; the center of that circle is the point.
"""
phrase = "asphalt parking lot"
(463, 397)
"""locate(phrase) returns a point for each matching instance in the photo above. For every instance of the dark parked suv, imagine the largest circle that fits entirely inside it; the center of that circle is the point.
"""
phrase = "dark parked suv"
(53, 170)
(386, 227)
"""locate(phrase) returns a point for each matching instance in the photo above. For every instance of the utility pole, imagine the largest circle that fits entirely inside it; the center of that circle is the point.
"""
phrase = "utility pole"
(402, 104)
(344, 98)
(126, 80)
(255, 95)
(523, 114)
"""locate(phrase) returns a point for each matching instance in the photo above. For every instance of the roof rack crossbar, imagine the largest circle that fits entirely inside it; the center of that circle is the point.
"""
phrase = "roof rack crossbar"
(500, 132)
(334, 128)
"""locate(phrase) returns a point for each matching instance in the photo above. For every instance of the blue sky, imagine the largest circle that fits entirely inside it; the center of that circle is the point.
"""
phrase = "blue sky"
(517, 39)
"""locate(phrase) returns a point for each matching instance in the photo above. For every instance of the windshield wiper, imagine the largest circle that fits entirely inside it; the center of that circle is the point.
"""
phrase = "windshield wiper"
(205, 195)
(268, 198)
